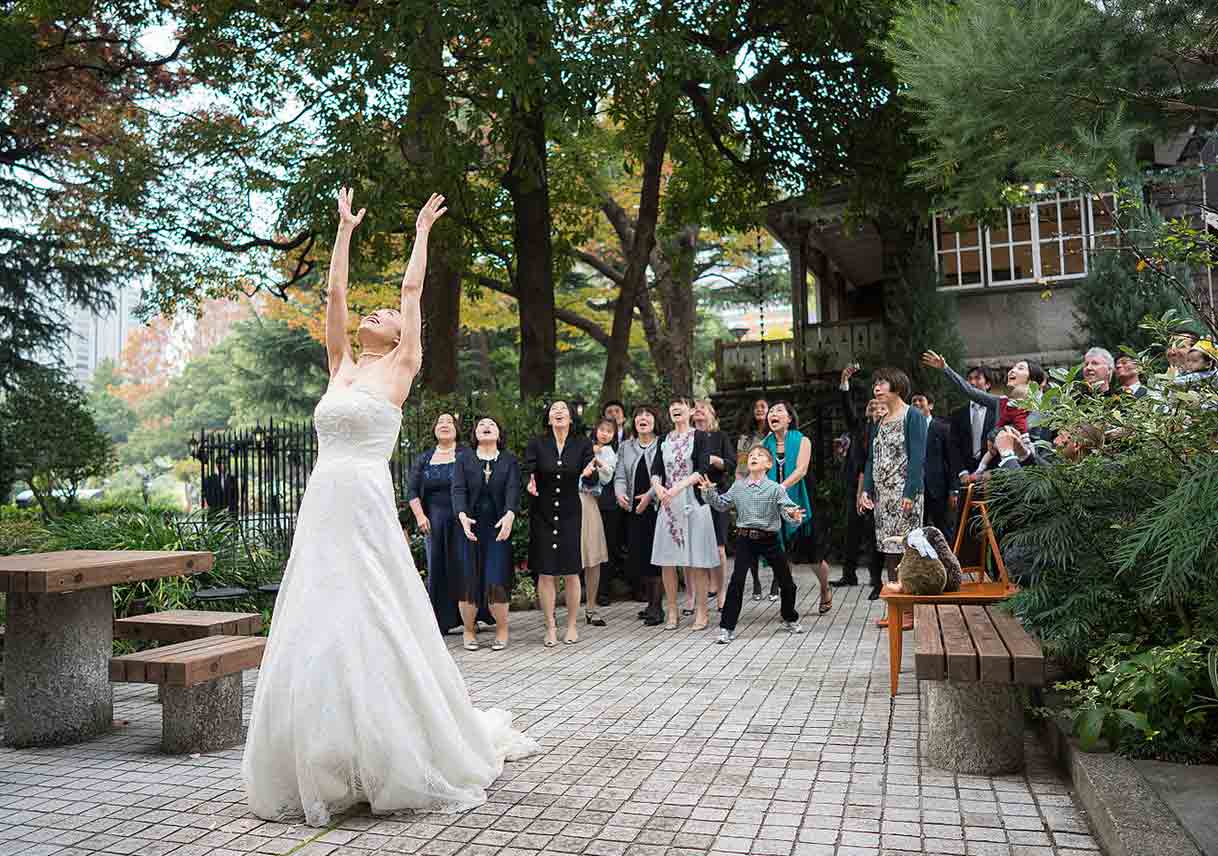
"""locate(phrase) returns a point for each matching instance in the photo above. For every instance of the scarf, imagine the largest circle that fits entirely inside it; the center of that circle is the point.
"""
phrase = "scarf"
(798, 492)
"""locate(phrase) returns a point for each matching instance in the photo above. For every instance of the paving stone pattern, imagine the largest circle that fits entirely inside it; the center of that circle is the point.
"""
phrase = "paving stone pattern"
(658, 743)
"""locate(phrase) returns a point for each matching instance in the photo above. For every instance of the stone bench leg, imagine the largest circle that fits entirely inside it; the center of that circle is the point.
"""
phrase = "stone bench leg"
(201, 718)
(57, 667)
(975, 728)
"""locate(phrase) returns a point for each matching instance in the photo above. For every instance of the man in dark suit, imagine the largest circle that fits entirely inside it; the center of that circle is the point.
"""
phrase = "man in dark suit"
(860, 528)
(969, 426)
(220, 492)
(940, 481)
(1129, 377)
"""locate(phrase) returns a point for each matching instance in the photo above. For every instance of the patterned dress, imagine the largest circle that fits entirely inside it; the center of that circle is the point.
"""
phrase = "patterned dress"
(889, 470)
(685, 533)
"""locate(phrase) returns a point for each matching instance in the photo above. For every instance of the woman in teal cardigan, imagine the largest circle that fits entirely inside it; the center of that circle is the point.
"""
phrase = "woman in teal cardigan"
(791, 452)
(892, 481)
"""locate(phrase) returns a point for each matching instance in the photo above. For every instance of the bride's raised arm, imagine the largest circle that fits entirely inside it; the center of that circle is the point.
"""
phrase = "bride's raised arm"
(338, 346)
(408, 355)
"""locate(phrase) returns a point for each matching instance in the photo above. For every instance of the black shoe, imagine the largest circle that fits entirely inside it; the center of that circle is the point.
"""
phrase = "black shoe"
(643, 613)
(653, 620)
(844, 581)
(602, 599)
(875, 593)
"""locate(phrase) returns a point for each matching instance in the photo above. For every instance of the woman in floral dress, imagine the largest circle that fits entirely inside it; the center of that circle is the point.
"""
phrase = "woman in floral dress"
(685, 533)
(892, 482)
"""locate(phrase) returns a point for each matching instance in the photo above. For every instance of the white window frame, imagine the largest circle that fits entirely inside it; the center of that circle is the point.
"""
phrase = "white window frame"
(1088, 206)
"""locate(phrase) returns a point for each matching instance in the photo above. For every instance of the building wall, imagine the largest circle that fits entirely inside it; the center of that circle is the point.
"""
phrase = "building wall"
(96, 338)
(1001, 327)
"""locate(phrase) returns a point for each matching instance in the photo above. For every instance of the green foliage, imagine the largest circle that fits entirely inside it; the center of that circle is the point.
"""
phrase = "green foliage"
(1144, 701)
(921, 318)
(24, 534)
(1114, 298)
(113, 415)
(1118, 540)
(50, 437)
(237, 563)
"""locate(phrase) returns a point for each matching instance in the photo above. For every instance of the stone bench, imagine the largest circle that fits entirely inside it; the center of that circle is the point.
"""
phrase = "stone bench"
(976, 660)
(182, 625)
(201, 683)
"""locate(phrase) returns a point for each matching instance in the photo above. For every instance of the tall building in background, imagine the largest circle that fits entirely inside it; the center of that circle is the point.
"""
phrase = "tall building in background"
(96, 337)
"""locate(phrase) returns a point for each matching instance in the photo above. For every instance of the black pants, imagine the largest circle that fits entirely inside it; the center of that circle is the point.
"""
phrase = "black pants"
(860, 536)
(614, 522)
(746, 551)
(937, 514)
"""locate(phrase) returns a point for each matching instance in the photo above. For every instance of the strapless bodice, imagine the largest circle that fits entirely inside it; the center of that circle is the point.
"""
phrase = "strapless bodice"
(355, 423)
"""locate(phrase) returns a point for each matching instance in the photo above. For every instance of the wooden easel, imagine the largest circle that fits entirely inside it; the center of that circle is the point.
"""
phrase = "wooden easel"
(989, 543)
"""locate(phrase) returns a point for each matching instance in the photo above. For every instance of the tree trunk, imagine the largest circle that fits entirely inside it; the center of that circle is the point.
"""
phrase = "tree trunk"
(676, 290)
(640, 251)
(423, 143)
(441, 316)
(482, 341)
(528, 183)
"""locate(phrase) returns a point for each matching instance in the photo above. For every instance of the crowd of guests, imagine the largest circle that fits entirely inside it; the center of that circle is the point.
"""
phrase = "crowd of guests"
(644, 502)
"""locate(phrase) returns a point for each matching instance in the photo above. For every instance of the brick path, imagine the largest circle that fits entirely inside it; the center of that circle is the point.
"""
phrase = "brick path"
(657, 744)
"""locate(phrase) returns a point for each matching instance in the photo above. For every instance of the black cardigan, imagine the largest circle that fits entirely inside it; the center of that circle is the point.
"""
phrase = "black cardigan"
(701, 460)
(504, 486)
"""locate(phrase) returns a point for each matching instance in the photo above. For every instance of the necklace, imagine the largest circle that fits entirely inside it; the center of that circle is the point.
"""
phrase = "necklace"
(368, 354)
(488, 464)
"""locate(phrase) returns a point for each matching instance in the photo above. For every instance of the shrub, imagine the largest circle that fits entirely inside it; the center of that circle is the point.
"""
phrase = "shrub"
(237, 564)
(1147, 702)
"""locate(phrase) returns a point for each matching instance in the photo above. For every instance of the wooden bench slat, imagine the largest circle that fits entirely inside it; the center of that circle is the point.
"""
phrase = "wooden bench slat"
(180, 625)
(994, 661)
(1027, 657)
(929, 661)
(958, 645)
(189, 663)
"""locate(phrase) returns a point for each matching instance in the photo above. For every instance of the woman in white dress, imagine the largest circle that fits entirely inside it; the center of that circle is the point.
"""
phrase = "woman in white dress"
(358, 699)
(685, 531)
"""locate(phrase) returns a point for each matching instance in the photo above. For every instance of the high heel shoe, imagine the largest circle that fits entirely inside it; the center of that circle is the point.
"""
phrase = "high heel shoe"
(672, 623)
(591, 617)
(551, 639)
(825, 605)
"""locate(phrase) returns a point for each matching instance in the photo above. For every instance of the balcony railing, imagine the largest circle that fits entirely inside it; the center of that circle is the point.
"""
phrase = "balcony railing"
(827, 349)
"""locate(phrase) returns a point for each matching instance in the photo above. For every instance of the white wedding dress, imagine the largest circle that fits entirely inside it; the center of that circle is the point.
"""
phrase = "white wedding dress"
(358, 699)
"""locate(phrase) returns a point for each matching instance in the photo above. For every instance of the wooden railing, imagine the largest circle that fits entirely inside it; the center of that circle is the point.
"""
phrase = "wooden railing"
(828, 348)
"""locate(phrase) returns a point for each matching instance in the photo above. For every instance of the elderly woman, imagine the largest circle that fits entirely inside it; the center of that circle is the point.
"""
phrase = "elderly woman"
(892, 482)
(557, 462)
(430, 493)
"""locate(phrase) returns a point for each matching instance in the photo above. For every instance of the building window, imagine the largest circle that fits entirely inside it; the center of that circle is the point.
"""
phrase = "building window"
(1044, 242)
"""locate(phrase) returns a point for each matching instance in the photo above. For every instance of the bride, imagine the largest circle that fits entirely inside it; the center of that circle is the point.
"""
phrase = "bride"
(358, 699)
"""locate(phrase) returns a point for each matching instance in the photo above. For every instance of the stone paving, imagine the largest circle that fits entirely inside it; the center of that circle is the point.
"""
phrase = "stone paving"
(657, 743)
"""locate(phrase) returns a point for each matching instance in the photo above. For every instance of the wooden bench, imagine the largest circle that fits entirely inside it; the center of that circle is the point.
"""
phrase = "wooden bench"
(201, 682)
(975, 660)
(182, 625)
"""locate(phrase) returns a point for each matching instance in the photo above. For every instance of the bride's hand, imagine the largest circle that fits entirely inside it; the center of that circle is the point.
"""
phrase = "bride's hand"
(345, 217)
(430, 213)
(468, 526)
(505, 526)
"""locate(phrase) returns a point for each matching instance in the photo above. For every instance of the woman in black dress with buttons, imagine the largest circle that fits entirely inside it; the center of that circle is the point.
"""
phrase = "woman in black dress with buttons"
(555, 462)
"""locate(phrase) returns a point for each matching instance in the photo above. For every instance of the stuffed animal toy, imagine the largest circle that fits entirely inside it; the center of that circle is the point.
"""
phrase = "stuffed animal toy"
(928, 565)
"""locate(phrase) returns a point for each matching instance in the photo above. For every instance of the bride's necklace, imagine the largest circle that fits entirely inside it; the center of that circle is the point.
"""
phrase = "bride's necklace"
(368, 354)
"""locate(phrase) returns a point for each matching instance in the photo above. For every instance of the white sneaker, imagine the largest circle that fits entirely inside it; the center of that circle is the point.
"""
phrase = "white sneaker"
(792, 627)
(725, 636)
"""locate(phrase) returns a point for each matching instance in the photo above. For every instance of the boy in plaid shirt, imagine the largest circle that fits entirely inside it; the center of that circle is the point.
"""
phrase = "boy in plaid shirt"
(760, 504)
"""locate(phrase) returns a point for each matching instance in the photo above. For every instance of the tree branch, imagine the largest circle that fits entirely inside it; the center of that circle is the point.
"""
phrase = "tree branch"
(599, 265)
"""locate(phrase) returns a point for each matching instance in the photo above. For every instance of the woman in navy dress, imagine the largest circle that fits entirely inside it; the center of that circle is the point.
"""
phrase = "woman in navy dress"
(486, 497)
(430, 491)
